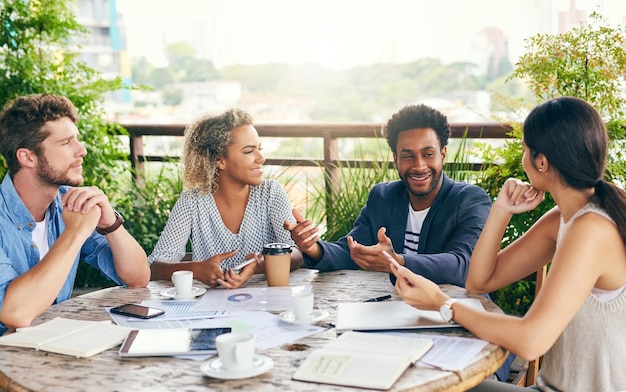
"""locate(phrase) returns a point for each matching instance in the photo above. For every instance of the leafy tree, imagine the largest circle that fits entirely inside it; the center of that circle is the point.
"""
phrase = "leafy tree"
(186, 67)
(39, 53)
(142, 71)
(587, 62)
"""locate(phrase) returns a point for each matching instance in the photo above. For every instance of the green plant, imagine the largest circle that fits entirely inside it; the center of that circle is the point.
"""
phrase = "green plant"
(588, 62)
(340, 208)
(39, 53)
(148, 205)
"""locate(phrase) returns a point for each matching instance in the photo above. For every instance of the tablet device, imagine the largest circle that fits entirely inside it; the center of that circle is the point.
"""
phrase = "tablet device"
(166, 342)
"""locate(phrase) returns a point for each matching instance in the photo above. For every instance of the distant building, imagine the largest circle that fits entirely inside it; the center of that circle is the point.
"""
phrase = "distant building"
(104, 49)
(572, 17)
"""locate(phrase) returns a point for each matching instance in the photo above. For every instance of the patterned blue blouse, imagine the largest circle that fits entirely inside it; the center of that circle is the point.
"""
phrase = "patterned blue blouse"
(195, 217)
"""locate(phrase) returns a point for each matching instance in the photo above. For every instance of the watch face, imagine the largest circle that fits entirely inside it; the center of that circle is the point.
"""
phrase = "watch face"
(446, 313)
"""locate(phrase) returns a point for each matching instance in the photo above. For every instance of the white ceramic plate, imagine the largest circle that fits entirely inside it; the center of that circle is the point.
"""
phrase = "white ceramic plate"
(195, 291)
(317, 315)
(214, 368)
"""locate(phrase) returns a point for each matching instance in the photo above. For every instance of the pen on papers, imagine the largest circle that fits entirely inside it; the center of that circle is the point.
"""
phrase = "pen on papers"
(378, 299)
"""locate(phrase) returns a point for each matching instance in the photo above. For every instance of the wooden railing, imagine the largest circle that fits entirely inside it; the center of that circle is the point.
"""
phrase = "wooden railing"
(330, 133)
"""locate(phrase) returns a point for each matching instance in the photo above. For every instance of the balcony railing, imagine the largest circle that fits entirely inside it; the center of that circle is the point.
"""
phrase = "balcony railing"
(330, 133)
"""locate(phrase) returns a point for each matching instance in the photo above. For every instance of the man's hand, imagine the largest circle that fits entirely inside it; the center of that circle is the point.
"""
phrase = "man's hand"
(371, 258)
(82, 199)
(304, 234)
(81, 223)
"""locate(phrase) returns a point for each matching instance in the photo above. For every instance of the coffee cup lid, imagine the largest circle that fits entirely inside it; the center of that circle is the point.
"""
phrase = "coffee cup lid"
(276, 248)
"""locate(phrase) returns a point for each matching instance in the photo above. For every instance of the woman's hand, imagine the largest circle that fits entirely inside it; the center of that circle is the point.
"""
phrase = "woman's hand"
(517, 196)
(209, 271)
(416, 290)
(232, 279)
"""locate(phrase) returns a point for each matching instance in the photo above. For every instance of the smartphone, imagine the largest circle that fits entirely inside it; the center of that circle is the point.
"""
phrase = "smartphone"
(138, 311)
(391, 259)
(245, 262)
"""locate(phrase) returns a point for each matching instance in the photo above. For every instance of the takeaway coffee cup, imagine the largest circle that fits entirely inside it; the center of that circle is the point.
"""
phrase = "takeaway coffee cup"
(277, 258)
(235, 350)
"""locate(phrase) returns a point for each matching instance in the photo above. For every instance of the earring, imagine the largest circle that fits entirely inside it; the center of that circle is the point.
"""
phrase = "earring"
(540, 170)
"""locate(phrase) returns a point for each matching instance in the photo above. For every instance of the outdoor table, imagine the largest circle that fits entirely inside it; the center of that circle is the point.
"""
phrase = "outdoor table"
(23, 369)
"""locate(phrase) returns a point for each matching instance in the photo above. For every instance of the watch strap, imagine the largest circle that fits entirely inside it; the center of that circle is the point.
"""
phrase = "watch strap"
(448, 304)
(119, 221)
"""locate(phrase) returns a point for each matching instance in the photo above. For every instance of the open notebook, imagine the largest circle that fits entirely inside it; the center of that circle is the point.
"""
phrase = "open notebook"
(362, 359)
(391, 315)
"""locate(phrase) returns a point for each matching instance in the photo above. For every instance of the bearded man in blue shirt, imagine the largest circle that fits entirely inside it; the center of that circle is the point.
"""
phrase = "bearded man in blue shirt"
(48, 221)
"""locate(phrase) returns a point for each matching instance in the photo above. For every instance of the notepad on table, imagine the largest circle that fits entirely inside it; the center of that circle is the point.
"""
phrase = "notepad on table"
(391, 315)
(79, 338)
(362, 359)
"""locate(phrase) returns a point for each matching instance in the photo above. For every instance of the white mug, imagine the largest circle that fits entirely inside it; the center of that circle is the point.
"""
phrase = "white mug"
(183, 282)
(302, 305)
(235, 350)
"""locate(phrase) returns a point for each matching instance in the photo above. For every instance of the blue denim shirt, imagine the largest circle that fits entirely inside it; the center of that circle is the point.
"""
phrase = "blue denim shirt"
(18, 252)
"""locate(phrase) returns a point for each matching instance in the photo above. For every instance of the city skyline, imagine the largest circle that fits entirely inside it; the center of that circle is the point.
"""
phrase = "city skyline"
(340, 34)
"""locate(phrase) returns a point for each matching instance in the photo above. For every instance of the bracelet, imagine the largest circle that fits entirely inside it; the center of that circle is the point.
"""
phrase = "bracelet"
(119, 220)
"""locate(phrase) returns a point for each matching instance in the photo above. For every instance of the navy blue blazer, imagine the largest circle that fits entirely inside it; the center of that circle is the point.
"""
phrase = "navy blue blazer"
(447, 239)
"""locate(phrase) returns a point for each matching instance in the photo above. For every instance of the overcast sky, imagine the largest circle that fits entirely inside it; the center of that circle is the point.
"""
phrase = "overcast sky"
(334, 33)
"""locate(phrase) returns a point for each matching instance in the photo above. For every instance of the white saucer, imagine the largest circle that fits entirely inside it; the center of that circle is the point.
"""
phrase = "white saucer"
(214, 368)
(317, 315)
(195, 291)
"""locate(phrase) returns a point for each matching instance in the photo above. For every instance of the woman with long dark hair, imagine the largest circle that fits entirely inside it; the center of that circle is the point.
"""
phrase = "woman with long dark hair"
(577, 319)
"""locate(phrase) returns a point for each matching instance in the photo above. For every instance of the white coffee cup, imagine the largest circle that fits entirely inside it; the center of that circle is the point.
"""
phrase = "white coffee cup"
(183, 283)
(302, 305)
(236, 350)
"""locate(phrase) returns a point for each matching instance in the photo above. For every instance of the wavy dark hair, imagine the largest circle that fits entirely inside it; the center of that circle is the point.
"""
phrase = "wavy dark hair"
(574, 139)
(23, 120)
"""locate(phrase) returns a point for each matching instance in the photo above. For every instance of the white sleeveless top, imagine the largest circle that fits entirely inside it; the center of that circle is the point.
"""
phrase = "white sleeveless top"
(590, 353)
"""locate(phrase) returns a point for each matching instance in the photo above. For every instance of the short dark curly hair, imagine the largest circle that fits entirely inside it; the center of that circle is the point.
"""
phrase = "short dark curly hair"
(417, 116)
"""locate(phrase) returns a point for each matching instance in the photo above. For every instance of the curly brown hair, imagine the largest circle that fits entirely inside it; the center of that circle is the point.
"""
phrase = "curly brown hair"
(23, 123)
(206, 141)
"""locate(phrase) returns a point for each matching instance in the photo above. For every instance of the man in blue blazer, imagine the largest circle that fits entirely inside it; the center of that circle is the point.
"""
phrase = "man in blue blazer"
(425, 220)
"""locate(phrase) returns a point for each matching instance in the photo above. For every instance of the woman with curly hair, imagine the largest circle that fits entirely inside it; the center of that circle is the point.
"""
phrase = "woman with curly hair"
(227, 210)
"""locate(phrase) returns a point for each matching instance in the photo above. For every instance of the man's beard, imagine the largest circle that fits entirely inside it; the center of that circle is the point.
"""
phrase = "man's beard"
(51, 176)
(434, 182)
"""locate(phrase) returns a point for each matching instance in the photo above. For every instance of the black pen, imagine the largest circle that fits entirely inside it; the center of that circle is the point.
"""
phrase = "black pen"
(378, 299)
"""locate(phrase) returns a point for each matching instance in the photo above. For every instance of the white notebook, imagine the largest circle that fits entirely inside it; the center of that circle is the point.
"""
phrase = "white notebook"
(391, 315)
(362, 359)
(78, 338)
